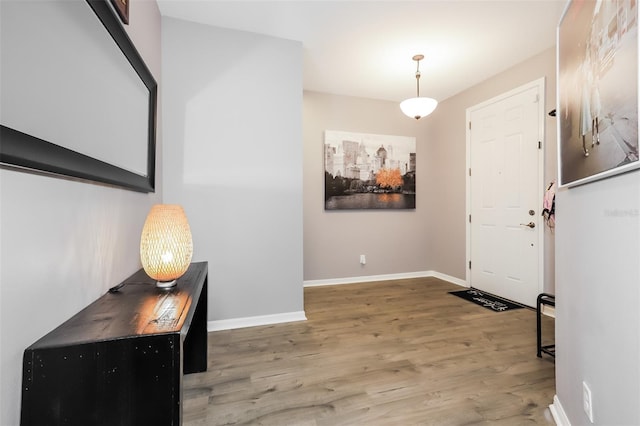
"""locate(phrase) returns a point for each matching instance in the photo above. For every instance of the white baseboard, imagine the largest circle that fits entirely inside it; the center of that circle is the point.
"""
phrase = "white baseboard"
(559, 416)
(229, 324)
(386, 277)
(449, 278)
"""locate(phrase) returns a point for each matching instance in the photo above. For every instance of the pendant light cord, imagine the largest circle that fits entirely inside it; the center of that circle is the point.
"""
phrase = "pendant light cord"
(418, 79)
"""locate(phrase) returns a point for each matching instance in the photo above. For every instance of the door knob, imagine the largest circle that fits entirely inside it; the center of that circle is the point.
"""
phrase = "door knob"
(530, 225)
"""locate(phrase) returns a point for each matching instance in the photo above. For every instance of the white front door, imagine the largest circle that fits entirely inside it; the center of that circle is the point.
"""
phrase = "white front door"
(505, 190)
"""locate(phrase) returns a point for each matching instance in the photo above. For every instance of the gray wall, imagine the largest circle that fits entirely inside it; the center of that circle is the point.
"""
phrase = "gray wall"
(233, 159)
(598, 293)
(447, 165)
(64, 242)
(431, 238)
(393, 241)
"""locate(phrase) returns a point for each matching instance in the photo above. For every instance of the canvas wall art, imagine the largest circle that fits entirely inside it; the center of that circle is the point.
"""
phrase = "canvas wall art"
(597, 90)
(366, 171)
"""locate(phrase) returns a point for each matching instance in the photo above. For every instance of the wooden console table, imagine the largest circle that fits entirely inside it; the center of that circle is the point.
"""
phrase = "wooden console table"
(120, 360)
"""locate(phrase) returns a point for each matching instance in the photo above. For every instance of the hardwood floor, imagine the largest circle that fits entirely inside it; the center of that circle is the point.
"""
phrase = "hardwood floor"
(399, 352)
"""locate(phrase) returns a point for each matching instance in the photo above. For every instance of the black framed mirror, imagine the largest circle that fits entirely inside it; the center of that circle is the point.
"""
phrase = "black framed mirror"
(115, 93)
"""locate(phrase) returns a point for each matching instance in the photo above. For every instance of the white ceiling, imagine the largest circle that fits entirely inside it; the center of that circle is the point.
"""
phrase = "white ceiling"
(364, 48)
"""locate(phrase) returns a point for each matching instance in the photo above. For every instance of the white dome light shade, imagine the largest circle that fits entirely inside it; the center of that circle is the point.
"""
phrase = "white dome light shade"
(418, 107)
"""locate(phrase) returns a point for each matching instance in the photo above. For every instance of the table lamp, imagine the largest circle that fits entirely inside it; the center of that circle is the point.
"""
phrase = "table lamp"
(166, 246)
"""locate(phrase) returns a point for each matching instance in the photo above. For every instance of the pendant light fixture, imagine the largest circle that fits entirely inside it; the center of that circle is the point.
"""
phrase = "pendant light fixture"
(418, 107)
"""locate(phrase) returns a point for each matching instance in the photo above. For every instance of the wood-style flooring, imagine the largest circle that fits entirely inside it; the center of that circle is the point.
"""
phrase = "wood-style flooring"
(401, 352)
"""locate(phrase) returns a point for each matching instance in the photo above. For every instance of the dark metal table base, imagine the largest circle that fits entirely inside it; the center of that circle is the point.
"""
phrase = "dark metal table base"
(550, 300)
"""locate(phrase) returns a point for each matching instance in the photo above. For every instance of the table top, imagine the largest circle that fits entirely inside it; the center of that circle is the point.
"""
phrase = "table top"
(138, 308)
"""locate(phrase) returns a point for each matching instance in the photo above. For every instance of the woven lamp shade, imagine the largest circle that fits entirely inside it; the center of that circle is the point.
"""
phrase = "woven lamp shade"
(166, 246)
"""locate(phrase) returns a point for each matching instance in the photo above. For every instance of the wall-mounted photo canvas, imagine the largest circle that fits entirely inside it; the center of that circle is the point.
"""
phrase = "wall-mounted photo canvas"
(597, 90)
(365, 171)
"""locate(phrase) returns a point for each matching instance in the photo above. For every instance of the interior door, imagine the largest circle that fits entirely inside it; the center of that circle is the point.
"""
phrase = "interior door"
(505, 194)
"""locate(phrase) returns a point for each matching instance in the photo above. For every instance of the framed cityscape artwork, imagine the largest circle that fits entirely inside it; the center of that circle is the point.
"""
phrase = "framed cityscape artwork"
(365, 171)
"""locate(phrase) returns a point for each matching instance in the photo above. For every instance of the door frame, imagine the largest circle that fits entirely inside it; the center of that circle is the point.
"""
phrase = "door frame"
(540, 84)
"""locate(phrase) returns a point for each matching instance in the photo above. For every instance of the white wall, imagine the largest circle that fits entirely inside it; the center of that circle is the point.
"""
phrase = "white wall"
(597, 299)
(64, 242)
(233, 159)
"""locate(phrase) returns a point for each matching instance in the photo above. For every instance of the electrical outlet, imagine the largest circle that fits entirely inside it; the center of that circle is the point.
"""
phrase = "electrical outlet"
(587, 402)
(363, 259)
